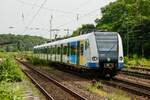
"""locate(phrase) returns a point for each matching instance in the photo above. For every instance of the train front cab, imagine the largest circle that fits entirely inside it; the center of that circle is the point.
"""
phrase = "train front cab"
(109, 47)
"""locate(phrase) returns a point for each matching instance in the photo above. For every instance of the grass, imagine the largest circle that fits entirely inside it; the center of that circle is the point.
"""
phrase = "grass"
(35, 60)
(13, 82)
(115, 95)
(10, 76)
(10, 71)
(10, 91)
(136, 61)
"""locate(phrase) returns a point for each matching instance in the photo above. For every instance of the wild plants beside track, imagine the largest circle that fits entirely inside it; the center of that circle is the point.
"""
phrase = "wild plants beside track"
(98, 88)
(10, 76)
(136, 61)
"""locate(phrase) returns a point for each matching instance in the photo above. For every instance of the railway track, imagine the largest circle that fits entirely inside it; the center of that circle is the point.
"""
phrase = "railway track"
(130, 86)
(52, 89)
(140, 68)
(127, 85)
(136, 73)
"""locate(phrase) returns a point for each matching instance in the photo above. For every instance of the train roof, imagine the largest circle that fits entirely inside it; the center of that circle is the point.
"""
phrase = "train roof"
(72, 39)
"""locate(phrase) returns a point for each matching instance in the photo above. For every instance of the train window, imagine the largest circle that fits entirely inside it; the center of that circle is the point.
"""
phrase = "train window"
(51, 50)
(45, 50)
(68, 50)
(86, 44)
(73, 50)
(41, 50)
(34, 50)
(55, 49)
(65, 50)
(58, 50)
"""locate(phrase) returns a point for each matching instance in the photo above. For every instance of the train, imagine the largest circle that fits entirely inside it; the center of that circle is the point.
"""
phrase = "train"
(100, 51)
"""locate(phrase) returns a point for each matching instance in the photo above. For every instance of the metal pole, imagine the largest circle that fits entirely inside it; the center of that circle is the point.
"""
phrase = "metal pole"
(51, 27)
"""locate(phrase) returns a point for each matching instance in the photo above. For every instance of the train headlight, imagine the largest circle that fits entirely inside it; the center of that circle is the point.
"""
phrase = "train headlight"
(121, 58)
(108, 59)
(94, 58)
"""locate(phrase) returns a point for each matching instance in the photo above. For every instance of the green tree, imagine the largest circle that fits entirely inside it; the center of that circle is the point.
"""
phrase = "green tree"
(131, 18)
(84, 29)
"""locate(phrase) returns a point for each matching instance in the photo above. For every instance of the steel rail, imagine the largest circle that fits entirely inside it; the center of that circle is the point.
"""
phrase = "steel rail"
(140, 68)
(76, 95)
(47, 95)
(136, 74)
(139, 89)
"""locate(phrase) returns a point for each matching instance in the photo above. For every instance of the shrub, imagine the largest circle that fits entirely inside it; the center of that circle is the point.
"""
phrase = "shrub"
(37, 61)
(10, 71)
(9, 91)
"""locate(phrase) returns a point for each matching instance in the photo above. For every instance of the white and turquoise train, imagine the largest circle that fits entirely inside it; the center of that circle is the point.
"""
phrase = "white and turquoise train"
(101, 51)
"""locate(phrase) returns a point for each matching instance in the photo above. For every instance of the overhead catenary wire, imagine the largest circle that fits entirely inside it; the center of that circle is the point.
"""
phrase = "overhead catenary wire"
(81, 5)
(79, 17)
(46, 8)
(33, 18)
(72, 21)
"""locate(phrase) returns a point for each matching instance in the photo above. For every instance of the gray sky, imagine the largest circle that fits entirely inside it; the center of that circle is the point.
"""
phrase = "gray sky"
(23, 15)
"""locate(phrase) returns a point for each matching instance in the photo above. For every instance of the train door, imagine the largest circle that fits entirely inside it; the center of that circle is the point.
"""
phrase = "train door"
(78, 52)
(81, 53)
(52, 53)
(73, 53)
(61, 53)
(64, 54)
(68, 52)
(87, 52)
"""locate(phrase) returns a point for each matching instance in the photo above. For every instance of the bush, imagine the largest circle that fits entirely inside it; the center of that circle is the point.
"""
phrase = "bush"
(37, 61)
(10, 71)
(136, 61)
(9, 91)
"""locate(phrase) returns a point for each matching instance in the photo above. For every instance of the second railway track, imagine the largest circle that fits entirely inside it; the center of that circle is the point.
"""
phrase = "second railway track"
(52, 89)
(136, 73)
(130, 85)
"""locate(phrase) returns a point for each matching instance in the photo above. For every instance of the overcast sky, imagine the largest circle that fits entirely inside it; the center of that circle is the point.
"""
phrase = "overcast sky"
(26, 17)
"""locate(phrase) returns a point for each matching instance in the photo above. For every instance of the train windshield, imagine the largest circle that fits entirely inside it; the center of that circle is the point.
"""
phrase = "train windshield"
(107, 43)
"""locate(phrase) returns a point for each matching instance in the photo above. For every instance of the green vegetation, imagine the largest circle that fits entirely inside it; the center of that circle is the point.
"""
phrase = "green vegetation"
(87, 28)
(115, 95)
(10, 91)
(19, 42)
(10, 75)
(37, 61)
(135, 61)
(9, 71)
(130, 18)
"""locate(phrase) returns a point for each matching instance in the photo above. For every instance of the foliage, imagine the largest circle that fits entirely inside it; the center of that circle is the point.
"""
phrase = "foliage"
(19, 42)
(134, 61)
(87, 28)
(10, 77)
(9, 71)
(115, 95)
(131, 18)
(37, 61)
(9, 91)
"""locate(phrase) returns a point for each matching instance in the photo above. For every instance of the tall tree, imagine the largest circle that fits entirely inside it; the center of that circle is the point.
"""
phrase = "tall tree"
(131, 18)
(87, 28)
